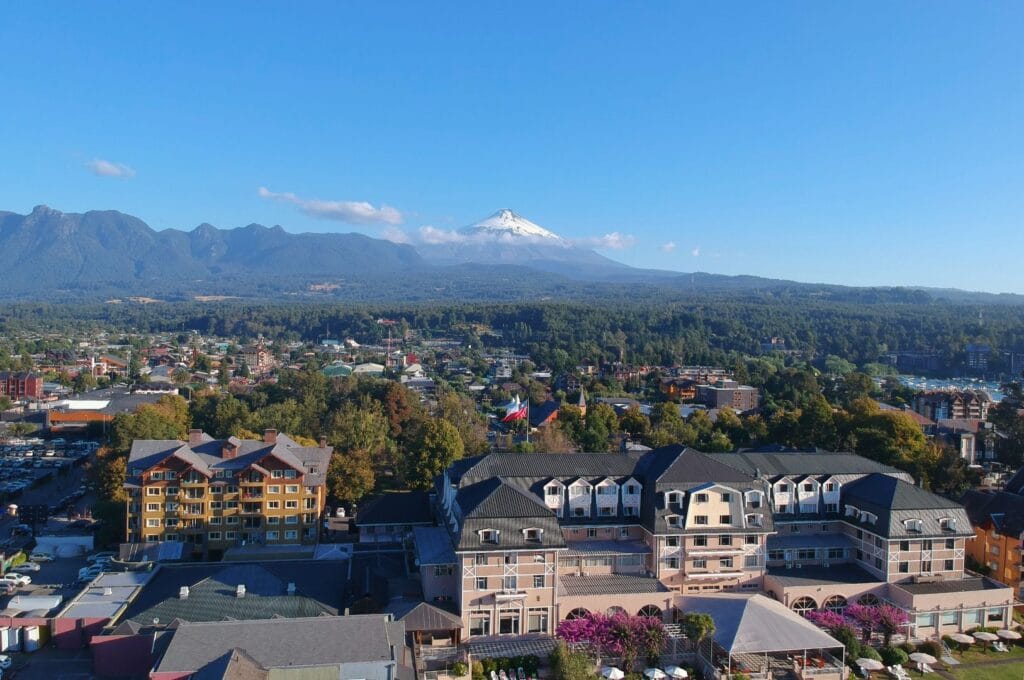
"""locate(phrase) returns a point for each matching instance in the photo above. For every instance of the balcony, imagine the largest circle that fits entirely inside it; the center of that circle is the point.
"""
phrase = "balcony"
(252, 494)
(509, 594)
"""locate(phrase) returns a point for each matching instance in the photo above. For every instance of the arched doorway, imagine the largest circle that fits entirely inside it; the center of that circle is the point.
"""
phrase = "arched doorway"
(577, 613)
(836, 603)
(804, 604)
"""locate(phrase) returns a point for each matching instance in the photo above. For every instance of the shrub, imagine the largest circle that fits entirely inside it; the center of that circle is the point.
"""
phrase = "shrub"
(478, 671)
(740, 676)
(893, 655)
(459, 668)
(490, 666)
(869, 652)
(931, 647)
(849, 639)
(20, 558)
(531, 664)
(908, 647)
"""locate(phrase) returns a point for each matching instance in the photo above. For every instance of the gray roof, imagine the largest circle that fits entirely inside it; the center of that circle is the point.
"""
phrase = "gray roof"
(545, 465)
(964, 585)
(816, 576)
(206, 456)
(433, 546)
(609, 584)
(319, 590)
(306, 642)
(895, 501)
(758, 624)
(494, 504)
(771, 463)
(1003, 511)
(588, 548)
(397, 507)
(422, 615)
(676, 464)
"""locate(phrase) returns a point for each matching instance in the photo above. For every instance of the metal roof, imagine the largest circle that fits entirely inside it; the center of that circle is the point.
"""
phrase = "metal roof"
(609, 584)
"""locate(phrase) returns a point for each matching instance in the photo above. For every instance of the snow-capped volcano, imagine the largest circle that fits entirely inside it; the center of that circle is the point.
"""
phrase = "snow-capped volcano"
(507, 222)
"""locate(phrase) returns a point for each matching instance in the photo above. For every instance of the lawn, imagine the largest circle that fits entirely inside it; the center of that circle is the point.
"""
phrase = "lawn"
(1010, 671)
(975, 655)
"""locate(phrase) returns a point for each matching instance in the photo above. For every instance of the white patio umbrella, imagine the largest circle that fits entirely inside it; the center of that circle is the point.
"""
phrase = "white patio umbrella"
(676, 672)
(655, 674)
(962, 638)
(921, 657)
(1008, 634)
(612, 673)
(985, 636)
(870, 664)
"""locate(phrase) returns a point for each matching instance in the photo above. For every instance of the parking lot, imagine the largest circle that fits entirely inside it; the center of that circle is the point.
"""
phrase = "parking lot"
(27, 463)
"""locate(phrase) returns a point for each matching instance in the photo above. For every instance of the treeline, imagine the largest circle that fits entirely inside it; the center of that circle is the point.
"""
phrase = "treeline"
(709, 329)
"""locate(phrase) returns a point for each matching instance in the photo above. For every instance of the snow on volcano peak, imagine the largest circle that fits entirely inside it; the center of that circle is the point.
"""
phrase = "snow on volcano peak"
(506, 221)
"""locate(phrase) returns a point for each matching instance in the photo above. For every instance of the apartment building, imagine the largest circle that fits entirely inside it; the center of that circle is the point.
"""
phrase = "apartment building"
(21, 385)
(998, 522)
(953, 404)
(216, 494)
(729, 394)
(527, 540)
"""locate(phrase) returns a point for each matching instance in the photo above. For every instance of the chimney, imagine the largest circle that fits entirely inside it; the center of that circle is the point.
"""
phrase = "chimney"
(291, 588)
(183, 593)
(228, 450)
(195, 437)
(240, 590)
(323, 442)
(270, 436)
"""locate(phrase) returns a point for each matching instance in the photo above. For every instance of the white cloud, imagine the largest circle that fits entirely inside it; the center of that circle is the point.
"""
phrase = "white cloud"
(612, 241)
(109, 169)
(434, 236)
(667, 247)
(351, 212)
(695, 252)
(396, 235)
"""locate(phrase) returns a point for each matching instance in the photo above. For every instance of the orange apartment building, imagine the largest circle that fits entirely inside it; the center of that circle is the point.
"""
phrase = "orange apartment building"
(214, 494)
(998, 521)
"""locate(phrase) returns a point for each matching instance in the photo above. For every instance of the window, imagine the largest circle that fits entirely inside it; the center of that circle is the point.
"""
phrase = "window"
(783, 507)
(509, 558)
(725, 540)
(831, 507)
(152, 523)
(273, 505)
(481, 583)
(291, 519)
(700, 519)
(277, 474)
(509, 583)
(291, 505)
(623, 532)
(213, 536)
(835, 553)
(591, 533)
(783, 488)
(532, 535)
(537, 621)
(904, 546)
(632, 489)
(216, 505)
(672, 563)
(904, 567)
(480, 559)
(152, 507)
(479, 623)
(172, 491)
(489, 536)
(274, 488)
(700, 540)
(950, 543)
(830, 486)
(926, 566)
(272, 535)
(552, 491)
(674, 521)
(508, 622)
(290, 474)
(231, 520)
(700, 564)
(878, 563)
(726, 497)
(914, 526)
(538, 581)
(926, 544)
(948, 565)
(153, 491)
(170, 474)
(171, 522)
(291, 534)
(948, 524)
(443, 570)
(291, 488)
(156, 476)
(607, 490)
(808, 487)
(995, 615)
(606, 512)
(215, 520)
(702, 498)
(725, 563)
(230, 535)
(672, 541)
(750, 561)
(750, 540)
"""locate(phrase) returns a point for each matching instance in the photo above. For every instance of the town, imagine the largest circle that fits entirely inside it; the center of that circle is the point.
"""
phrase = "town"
(465, 510)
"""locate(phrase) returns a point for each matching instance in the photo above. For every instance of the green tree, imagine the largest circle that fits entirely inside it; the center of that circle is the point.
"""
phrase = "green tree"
(437, 446)
(697, 626)
(83, 382)
(168, 418)
(351, 475)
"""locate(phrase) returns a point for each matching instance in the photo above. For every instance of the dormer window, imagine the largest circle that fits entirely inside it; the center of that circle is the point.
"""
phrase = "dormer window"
(489, 536)
(533, 535)
(754, 520)
(579, 512)
(914, 526)
(579, 490)
(674, 521)
(632, 489)
(607, 490)
(673, 497)
(552, 490)
(851, 511)
(783, 488)
(948, 523)
(830, 487)
(808, 487)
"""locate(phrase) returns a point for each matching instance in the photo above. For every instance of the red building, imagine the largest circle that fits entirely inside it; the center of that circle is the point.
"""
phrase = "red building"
(21, 385)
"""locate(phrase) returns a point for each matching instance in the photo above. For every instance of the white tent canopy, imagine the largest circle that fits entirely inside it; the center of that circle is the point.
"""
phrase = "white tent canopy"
(757, 624)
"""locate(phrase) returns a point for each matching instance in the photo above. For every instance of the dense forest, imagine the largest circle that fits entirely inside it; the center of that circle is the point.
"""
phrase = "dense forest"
(712, 330)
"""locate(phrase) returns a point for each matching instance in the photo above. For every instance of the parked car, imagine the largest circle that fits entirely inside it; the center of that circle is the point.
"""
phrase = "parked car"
(5, 662)
(25, 567)
(40, 557)
(100, 556)
(16, 579)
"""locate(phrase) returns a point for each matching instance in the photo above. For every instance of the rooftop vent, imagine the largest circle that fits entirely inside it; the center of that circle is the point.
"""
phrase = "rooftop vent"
(108, 591)
(240, 590)
(183, 593)
(291, 588)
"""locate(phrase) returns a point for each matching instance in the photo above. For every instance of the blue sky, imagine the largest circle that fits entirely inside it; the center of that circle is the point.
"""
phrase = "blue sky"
(859, 143)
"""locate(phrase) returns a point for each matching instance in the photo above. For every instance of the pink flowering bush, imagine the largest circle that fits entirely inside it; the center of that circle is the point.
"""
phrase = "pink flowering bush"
(619, 635)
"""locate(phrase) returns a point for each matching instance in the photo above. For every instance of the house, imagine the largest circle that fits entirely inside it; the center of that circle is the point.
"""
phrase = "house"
(215, 494)
(390, 517)
(258, 358)
(525, 541)
(363, 646)
(18, 385)
(544, 413)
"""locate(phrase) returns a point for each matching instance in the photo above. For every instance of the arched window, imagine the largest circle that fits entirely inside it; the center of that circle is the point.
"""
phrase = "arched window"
(868, 600)
(836, 603)
(804, 604)
(650, 610)
(577, 613)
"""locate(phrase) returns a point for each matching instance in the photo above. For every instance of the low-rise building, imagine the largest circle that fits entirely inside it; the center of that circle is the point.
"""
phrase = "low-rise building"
(18, 385)
(729, 394)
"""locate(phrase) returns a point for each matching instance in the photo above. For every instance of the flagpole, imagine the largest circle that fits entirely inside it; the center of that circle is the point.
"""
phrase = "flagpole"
(527, 420)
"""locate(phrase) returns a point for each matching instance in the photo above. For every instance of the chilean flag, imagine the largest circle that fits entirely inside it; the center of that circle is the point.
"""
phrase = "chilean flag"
(515, 410)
